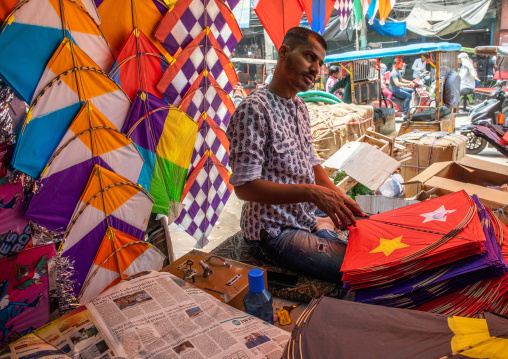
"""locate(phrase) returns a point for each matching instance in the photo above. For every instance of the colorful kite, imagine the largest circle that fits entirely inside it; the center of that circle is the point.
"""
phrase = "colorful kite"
(207, 96)
(206, 192)
(109, 204)
(423, 286)
(392, 245)
(165, 137)
(203, 53)
(486, 295)
(278, 16)
(119, 256)
(32, 33)
(211, 137)
(318, 13)
(120, 17)
(6, 7)
(375, 332)
(187, 18)
(58, 103)
(24, 292)
(91, 139)
(139, 66)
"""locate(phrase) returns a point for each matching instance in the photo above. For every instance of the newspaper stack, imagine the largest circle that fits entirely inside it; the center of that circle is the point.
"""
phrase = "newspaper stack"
(154, 315)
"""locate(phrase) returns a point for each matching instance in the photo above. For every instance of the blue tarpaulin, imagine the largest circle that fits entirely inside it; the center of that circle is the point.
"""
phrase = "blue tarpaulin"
(390, 29)
(413, 49)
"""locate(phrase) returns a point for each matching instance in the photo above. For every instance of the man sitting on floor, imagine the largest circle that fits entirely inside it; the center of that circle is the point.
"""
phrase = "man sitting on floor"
(276, 171)
(400, 87)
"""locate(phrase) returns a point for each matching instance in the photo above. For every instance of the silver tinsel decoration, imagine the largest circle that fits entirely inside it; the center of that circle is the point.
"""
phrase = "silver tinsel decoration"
(42, 235)
(30, 185)
(64, 285)
(7, 134)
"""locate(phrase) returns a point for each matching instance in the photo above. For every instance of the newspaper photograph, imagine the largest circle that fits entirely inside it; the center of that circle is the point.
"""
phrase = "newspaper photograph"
(78, 335)
(32, 347)
(157, 315)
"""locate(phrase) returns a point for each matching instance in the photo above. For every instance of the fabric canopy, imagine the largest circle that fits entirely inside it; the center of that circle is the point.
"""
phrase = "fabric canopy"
(430, 19)
(413, 49)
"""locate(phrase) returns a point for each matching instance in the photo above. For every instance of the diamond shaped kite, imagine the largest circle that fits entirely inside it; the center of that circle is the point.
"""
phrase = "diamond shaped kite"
(185, 21)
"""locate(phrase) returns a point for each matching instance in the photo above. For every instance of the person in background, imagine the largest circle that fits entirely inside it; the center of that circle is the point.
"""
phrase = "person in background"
(491, 67)
(269, 77)
(468, 77)
(333, 78)
(276, 172)
(418, 67)
(400, 87)
(343, 83)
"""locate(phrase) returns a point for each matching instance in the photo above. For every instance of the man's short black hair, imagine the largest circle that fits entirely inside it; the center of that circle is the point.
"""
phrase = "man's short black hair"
(333, 69)
(301, 35)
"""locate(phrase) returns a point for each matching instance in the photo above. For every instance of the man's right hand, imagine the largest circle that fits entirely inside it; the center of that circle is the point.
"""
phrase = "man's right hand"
(334, 206)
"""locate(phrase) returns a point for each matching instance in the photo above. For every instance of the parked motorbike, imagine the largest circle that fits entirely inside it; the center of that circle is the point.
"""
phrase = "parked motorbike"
(421, 97)
(485, 112)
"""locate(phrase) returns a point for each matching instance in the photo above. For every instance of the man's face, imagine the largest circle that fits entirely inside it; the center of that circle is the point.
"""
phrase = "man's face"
(302, 64)
(335, 75)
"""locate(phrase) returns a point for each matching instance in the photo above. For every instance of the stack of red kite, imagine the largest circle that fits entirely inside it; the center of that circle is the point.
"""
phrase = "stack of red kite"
(411, 255)
(486, 295)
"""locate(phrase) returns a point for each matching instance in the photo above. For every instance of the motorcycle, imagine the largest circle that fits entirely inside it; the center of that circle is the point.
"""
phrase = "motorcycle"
(421, 97)
(483, 113)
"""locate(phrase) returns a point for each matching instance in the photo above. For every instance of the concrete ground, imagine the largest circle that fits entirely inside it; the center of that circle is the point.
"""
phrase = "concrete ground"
(229, 220)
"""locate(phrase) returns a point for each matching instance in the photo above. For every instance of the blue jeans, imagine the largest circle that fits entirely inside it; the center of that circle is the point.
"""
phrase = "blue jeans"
(404, 94)
(318, 254)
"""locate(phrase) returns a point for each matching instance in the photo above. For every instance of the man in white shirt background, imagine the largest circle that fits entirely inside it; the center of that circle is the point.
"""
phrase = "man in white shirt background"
(419, 67)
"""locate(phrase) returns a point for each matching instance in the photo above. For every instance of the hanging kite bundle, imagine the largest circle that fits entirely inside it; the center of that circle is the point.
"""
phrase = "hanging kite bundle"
(199, 81)
(406, 257)
(90, 175)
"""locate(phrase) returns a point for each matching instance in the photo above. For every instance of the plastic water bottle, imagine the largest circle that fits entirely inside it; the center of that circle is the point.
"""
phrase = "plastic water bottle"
(258, 300)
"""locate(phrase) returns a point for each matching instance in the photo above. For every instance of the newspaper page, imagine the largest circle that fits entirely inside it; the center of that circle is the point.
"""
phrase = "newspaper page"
(32, 347)
(78, 335)
(157, 315)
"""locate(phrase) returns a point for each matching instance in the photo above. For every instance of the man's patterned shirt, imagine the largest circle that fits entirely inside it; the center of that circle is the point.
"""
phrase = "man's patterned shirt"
(270, 139)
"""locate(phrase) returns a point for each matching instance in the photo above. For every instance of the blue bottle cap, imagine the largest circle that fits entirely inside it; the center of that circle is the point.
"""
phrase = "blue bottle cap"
(256, 281)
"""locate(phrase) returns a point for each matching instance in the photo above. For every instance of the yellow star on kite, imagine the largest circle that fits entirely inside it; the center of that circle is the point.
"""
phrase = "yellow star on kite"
(387, 246)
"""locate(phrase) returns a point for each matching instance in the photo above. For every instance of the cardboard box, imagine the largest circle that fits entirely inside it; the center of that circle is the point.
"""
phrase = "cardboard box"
(427, 148)
(217, 283)
(472, 175)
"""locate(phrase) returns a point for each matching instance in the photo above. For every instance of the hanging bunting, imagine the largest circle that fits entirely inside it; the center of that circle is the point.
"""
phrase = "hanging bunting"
(343, 10)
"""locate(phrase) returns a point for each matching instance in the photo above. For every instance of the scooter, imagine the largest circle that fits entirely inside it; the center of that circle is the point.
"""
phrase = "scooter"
(485, 112)
(421, 97)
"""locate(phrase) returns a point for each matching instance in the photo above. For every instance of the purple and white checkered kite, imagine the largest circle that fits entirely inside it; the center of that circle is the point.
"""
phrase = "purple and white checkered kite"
(185, 21)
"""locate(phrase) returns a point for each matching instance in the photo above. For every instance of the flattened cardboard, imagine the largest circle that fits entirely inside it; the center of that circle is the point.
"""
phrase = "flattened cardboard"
(472, 175)
(364, 163)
